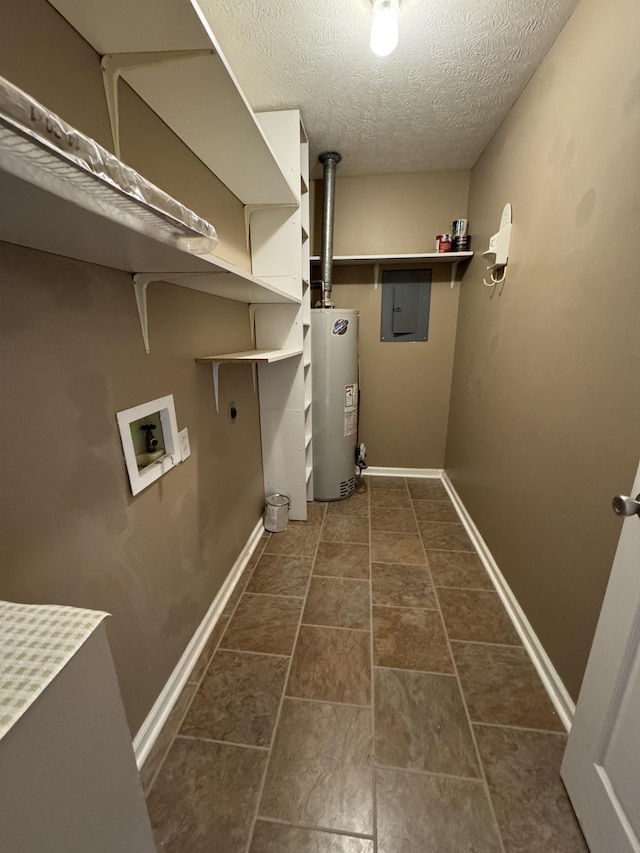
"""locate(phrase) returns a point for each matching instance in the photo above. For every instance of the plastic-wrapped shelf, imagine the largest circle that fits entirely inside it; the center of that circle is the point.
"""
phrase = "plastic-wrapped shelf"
(47, 168)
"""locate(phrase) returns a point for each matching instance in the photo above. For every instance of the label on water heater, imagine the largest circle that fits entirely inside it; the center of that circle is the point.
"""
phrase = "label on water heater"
(340, 327)
(350, 409)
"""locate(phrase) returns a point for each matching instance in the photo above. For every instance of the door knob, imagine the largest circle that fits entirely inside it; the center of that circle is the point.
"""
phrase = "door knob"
(626, 506)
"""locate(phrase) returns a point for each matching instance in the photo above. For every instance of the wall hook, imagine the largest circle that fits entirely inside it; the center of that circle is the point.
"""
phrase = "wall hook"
(497, 255)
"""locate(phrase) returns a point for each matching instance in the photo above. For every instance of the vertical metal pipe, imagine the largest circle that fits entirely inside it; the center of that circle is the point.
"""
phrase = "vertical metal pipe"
(329, 160)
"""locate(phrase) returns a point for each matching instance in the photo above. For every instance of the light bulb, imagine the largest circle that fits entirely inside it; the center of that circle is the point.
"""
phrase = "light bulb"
(384, 27)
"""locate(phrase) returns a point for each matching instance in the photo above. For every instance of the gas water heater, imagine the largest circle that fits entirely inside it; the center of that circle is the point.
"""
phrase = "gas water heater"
(334, 376)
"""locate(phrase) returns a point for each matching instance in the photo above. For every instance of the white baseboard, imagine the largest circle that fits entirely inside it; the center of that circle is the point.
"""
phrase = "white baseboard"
(157, 716)
(552, 682)
(403, 472)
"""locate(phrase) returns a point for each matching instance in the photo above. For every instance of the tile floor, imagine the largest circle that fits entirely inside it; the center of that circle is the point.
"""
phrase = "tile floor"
(364, 691)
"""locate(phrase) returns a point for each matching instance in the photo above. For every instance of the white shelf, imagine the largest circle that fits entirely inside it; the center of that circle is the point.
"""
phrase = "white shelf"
(225, 280)
(432, 257)
(254, 356)
(198, 97)
(56, 204)
(453, 258)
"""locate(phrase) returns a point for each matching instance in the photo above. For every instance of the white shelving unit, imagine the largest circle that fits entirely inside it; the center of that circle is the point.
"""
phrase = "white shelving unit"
(56, 204)
(453, 258)
(169, 56)
(279, 247)
(306, 311)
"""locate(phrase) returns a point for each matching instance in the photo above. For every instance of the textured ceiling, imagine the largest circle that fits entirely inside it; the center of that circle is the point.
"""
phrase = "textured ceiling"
(433, 104)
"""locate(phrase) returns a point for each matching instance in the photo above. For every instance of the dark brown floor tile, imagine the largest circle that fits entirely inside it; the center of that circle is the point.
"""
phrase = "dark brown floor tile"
(444, 536)
(280, 838)
(476, 615)
(501, 686)
(277, 574)
(345, 529)
(356, 505)
(320, 773)
(427, 489)
(240, 587)
(392, 498)
(299, 539)
(207, 653)
(397, 548)
(315, 514)
(377, 483)
(458, 569)
(435, 511)
(238, 700)
(263, 623)
(395, 520)
(333, 665)
(206, 791)
(410, 639)
(431, 814)
(165, 738)
(532, 807)
(341, 602)
(421, 723)
(344, 560)
(398, 585)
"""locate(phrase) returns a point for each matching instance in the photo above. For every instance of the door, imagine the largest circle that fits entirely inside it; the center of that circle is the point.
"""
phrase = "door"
(601, 766)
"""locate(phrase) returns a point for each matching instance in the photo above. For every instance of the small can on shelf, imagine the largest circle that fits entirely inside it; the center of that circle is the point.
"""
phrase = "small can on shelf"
(443, 243)
(460, 236)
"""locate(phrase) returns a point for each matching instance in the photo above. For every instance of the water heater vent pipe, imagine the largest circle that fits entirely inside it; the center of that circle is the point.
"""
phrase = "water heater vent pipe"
(329, 160)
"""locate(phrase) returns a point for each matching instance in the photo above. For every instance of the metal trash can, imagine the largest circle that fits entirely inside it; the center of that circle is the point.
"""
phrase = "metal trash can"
(276, 511)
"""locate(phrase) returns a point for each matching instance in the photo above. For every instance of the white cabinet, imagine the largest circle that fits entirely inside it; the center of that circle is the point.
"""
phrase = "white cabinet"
(68, 777)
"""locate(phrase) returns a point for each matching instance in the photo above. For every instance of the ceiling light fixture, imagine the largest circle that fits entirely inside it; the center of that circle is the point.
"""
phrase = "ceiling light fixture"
(384, 26)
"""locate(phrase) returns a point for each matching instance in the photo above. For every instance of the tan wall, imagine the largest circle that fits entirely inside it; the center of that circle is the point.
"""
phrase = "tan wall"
(405, 386)
(545, 413)
(72, 356)
(391, 213)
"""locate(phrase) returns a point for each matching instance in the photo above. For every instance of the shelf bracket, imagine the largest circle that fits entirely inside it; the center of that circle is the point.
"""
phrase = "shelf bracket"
(141, 281)
(113, 64)
(252, 322)
(215, 367)
(251, 208)
(454, 272)
(376, 276)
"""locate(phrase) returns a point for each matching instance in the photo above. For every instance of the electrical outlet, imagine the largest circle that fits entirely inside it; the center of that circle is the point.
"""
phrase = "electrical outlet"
(183, 442)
